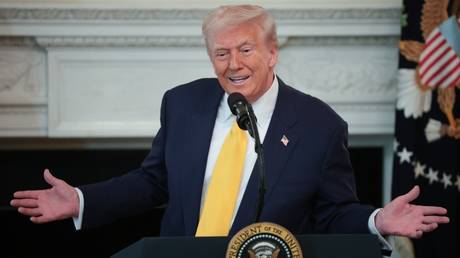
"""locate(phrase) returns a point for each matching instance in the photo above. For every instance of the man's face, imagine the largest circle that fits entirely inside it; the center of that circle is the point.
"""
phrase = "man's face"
(243, 60)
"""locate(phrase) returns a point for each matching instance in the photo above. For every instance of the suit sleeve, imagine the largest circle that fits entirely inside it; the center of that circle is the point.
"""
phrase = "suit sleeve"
(133, 193)
(337, 209)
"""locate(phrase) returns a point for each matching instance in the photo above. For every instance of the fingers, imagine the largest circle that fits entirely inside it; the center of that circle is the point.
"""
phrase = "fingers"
(29, 194)
(435, 219)
(40, 219)
(27, 203)
(431, 210)
(425, 227)
(411, 195)
(33, 212)
(428, 227)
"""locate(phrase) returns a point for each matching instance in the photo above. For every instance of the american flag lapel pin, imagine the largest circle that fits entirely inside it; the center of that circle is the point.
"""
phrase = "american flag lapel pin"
(284, 140)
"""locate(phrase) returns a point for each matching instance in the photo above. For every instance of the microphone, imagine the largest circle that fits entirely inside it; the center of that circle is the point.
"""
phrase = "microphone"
(247, 120)
(243, 112)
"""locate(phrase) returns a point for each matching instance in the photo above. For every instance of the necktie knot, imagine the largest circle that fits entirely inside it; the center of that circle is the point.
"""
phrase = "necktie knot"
(238, 133)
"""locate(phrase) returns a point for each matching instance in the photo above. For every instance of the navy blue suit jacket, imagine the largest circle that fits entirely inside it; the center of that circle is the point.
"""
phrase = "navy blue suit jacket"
(310, 182)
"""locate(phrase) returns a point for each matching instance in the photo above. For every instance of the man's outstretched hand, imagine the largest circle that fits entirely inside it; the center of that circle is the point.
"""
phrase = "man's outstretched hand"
(56, 203)
(401, 218)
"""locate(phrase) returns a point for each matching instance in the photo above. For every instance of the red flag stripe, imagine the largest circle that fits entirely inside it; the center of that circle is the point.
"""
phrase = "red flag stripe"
(435, 66)
(454, 78)
(424, 67)
(440, 70)
(428, 48)
(433, 36)
(433, 52)
(451, 75)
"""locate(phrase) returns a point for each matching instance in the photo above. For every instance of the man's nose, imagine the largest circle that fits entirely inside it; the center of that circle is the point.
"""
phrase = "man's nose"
(235, 62)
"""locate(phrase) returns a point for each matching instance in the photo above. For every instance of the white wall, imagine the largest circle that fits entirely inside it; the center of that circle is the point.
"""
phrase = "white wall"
(206, 3)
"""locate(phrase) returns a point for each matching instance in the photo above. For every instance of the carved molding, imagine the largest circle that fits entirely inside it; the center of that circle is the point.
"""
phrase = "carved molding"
(343, 41)
(187, 15)
(23, 111)
(184, 41)
(183, 22)
(100, 14)
(302, 14)
(120, 41)
(18, 42)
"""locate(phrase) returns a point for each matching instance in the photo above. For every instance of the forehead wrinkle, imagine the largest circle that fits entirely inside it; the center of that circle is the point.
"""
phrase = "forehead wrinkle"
(218, 47)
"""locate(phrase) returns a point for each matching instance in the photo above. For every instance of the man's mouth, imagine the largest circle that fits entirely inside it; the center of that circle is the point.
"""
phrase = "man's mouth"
(238, 80)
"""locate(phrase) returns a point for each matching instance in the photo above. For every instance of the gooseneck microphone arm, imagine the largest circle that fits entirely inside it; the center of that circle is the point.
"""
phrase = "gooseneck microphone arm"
(247, 120)
(259, 148)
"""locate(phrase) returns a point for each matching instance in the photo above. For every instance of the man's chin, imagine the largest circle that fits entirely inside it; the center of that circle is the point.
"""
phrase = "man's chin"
(241, 91)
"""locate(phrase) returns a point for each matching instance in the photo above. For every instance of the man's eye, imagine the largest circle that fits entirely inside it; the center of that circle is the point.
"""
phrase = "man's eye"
(221, 55)
(246, 50)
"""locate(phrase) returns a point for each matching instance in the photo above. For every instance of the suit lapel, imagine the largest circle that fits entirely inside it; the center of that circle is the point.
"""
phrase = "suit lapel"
(200, 128)
(276, 155)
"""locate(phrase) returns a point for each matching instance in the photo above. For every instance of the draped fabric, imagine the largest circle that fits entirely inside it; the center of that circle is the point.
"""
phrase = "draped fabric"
(427, 133)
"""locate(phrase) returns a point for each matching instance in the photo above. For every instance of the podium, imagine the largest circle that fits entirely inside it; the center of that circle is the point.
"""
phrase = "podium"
(313, 246)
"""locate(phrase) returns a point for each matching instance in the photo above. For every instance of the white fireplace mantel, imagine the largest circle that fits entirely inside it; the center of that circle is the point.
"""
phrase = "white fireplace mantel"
(97, 72)
(74, 76)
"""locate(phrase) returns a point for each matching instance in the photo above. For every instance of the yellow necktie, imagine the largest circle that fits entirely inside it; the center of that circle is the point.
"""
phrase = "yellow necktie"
(223, 189)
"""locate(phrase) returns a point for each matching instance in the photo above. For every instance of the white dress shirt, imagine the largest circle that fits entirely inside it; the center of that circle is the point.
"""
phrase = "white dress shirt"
(263, 109)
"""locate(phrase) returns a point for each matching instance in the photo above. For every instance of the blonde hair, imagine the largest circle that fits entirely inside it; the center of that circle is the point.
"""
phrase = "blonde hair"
(233, 15)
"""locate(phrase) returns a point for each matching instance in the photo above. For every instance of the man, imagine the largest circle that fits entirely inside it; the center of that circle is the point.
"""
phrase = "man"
(310, 184)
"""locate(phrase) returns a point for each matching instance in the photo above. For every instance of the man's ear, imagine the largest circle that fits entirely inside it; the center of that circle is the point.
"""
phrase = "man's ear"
(273, 56)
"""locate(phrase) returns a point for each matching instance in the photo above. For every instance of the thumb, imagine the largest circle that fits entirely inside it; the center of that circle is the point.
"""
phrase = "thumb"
(411, 195)
(49, 178)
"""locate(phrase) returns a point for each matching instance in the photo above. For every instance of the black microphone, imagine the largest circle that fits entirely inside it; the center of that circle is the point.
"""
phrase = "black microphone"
(247, 120)
(242, 110)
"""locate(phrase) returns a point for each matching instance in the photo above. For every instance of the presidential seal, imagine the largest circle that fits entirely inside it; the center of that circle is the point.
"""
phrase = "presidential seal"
(264, 240)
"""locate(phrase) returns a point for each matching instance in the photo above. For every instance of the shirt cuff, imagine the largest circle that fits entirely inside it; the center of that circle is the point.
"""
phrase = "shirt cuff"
(78, 220)
(371, 224)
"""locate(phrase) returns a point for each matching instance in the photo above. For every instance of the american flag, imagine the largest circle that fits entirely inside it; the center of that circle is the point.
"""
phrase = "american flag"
(285, 140)
(439, 64)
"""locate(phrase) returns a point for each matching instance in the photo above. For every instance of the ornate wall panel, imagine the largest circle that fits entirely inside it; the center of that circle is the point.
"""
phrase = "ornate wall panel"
(101, 72)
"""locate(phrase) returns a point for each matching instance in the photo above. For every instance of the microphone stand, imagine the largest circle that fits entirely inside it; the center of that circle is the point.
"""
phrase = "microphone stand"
(252, 126)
